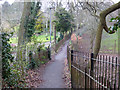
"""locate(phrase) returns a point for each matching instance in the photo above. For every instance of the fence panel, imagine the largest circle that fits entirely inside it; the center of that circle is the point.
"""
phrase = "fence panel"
(88, 72)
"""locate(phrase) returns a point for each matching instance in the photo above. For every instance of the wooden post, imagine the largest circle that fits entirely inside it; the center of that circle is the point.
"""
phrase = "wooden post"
(91, 72)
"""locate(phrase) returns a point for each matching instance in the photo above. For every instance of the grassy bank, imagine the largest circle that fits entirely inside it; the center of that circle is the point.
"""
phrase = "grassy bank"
(110, 42)
(43, 38)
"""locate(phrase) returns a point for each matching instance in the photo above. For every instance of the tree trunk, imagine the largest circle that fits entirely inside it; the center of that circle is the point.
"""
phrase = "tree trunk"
(102, 25)
(92, 40)
(26, 13)
(21, 38)
(98, 40)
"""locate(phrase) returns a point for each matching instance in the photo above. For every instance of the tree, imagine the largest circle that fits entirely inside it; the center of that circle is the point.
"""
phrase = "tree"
(90, 11)
(102, 25)
(27, 24)
(64, 19)
(30, 20)
(39, 23)
(26, 12)
(26, 30)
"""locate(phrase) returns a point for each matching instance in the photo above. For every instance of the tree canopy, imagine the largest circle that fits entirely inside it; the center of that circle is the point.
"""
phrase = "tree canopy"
(63, 20)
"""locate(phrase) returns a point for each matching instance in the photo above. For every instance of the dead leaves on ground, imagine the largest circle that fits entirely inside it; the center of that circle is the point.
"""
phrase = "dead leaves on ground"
(66, 75)
(33, 78)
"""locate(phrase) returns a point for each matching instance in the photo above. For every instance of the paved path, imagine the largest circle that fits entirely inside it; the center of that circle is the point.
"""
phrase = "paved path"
(52, 77)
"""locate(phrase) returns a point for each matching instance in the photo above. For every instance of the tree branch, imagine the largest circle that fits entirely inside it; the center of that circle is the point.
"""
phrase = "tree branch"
(103, 15)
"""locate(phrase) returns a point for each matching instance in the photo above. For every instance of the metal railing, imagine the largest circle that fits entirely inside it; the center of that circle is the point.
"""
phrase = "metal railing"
(88, 72)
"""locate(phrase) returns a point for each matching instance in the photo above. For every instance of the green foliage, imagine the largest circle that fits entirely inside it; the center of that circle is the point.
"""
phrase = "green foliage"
(42, 62)
(117, 24)
(11, 72)
(31, 20)
(6, 56)
(40, 47)
(64, 19)
(43, 57)
(39, 23)
(34, 40)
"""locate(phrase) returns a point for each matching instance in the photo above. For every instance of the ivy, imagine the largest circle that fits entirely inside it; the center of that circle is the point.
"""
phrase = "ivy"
(117, 24)
(31, 20)
(6, 56)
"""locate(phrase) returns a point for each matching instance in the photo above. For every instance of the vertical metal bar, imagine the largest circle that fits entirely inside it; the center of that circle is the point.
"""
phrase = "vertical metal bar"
(106, 71)
(115, 72)
(78, 67)
(77, 83)
(78, 72)
(91, 81)
(112, 72)
(71, 68)
(103, 71)
(109, 72)
(100, 69)
(87, 69)
(86, 78)
(97, 71)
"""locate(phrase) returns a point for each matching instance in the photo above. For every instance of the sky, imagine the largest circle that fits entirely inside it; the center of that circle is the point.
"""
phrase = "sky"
(11, 1)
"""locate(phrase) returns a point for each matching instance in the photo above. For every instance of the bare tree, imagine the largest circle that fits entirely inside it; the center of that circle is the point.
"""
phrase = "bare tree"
(102, 25)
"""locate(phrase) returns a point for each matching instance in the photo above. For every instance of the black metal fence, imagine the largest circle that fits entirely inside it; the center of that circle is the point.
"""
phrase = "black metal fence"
(87, 72)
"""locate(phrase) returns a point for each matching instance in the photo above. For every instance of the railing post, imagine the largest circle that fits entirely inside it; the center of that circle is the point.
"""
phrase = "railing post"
(86, 78)
(91, 72)
(71, 67)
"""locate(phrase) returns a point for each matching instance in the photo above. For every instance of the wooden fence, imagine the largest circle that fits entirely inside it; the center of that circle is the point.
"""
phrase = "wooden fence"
(87, 72)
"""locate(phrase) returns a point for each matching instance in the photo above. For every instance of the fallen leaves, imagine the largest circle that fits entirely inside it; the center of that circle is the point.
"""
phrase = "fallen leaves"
(34, 78)
(66, 75)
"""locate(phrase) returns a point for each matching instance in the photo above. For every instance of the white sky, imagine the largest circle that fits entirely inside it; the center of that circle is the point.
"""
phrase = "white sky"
(11, 1)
